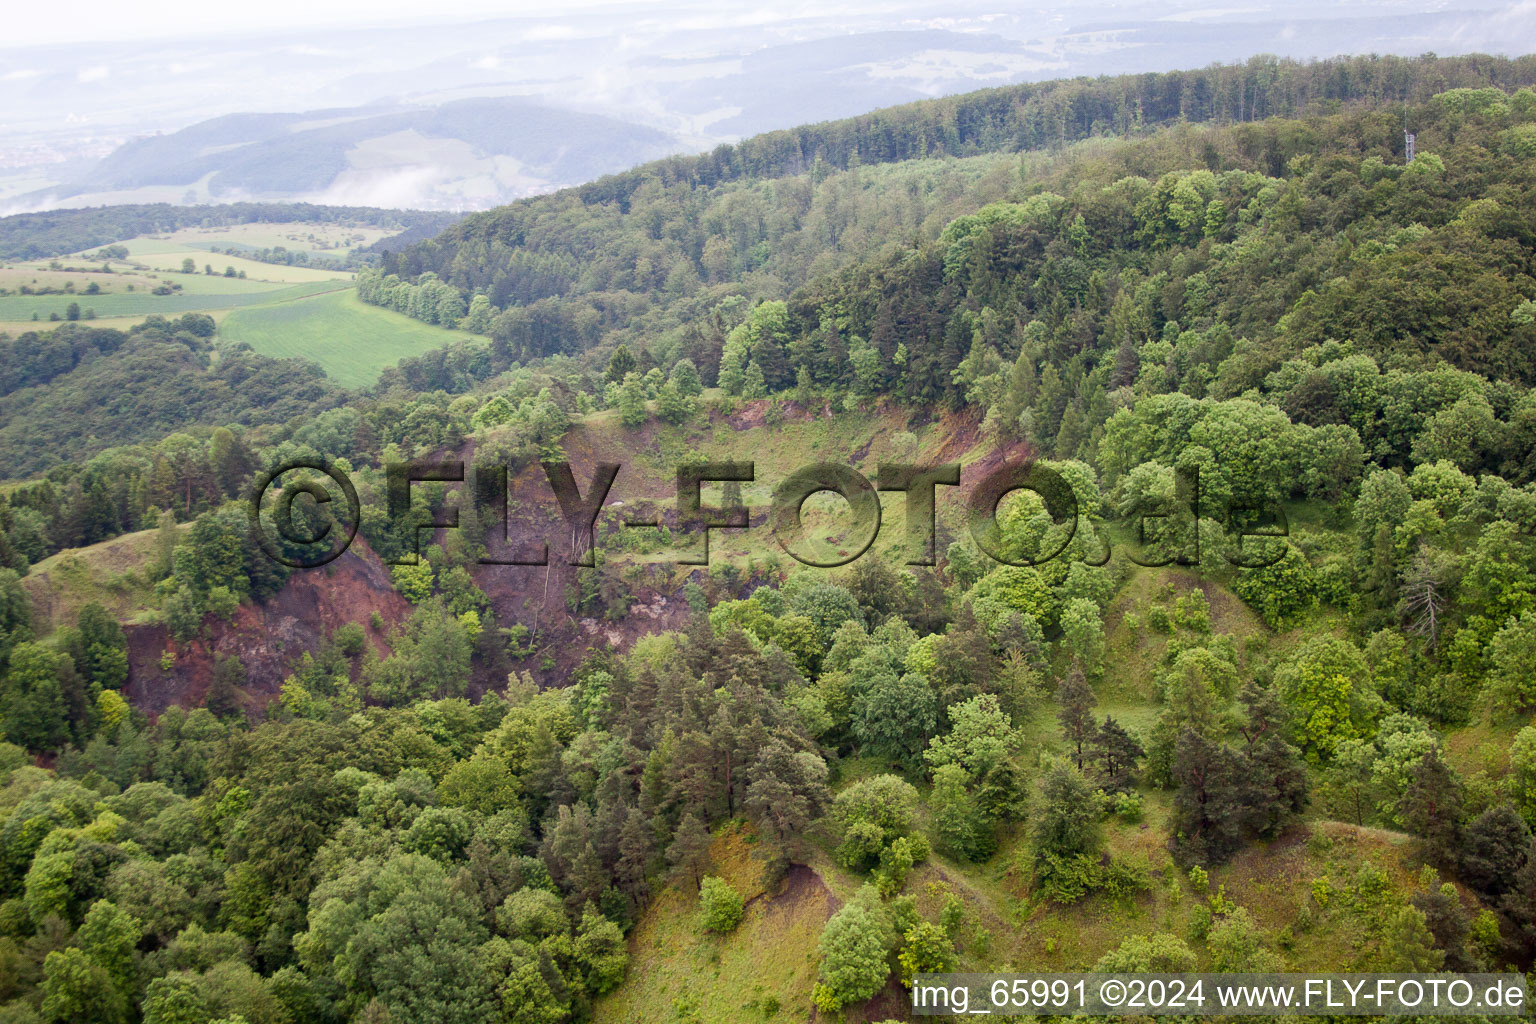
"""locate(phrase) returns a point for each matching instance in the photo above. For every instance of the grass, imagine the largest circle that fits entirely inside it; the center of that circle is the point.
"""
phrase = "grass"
(861, 439)
(679, 972)
(168, 257)
(295, 236)
(351, 340)
(153, 262)
(18, 309)
(110, 573)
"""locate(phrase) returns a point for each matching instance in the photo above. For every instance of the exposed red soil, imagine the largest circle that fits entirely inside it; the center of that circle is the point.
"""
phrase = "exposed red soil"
(267, 637)
(271, 636)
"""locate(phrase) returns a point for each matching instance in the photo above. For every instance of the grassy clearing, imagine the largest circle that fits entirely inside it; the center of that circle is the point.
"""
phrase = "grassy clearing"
(351, 340)
(861, 439)
(110, 573)
(763, 970)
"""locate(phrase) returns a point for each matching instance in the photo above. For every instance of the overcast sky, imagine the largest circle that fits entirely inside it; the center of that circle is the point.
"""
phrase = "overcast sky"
(101, 20)
(104, 20)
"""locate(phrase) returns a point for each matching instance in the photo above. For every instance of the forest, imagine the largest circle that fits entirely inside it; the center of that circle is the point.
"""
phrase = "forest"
(1162, 755)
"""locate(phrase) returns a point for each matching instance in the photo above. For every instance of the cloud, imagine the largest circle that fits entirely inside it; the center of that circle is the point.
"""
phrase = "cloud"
(549, 33)
(95, 74)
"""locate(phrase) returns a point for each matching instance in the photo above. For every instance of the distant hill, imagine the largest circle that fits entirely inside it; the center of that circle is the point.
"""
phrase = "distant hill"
(465, 153)
(42, 235)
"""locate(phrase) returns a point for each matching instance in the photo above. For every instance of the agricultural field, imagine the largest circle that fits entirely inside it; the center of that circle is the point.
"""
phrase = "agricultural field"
(335, 239)
(150, 278)
(168, 254)
(350, 340)
(15, 311)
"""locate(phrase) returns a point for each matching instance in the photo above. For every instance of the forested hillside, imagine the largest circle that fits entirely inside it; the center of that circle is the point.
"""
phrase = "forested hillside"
(759, 790)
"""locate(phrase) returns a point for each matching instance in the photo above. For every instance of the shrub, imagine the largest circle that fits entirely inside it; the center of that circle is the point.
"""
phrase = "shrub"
(720, 905)
(1128, 807)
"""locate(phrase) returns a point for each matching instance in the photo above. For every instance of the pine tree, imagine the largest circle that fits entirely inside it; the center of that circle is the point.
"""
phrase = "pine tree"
(1276, 785)
(636, 849)
(1433, 808)
(1275, 775)
(672, 405)
(1448, 923)
(753, 385)
(689, 852)
(1076, 715)
(1407, 945)
(1519, 902)
(620, 365)
(1493, 851)
(787, 792)
(1208, 805)
(1127, 365)
(632, 408)
(1116, 754)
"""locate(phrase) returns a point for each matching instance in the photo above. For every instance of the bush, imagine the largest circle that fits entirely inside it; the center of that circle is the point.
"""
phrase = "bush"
(855, 952)
(720, 905)
(1128, 807)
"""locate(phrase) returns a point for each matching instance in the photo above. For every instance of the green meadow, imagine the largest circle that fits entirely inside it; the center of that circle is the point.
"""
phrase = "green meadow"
(350, 340)
(141, 304)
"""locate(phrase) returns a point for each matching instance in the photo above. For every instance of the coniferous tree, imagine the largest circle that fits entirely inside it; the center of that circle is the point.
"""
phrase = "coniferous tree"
(1493, 850)
(636, 848)
(1017, 398)
(1274, 771)
(685, 375)
(689, 851)
(1076, 700)
(1066, 834)
(1519, 902)
(787, 792)
(1208, 804)
(1433, 808)
(631, 402)
(1127, 364)
(620, 365)
(1407, 944)
(1117, 756)
(1448, 923)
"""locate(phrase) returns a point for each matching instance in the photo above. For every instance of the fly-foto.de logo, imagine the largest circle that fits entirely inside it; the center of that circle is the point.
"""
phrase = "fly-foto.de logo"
(297, 514)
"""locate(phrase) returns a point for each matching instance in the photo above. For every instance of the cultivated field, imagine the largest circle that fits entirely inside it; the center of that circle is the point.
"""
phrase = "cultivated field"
(296, 236)
(352, 341)
(122, 291)
(17, 309)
